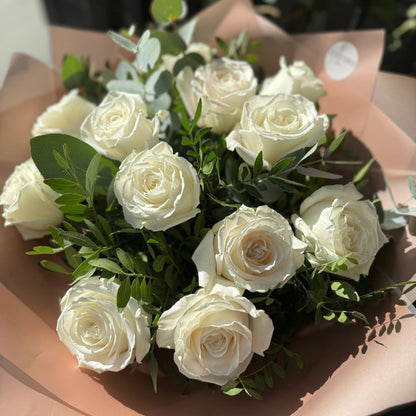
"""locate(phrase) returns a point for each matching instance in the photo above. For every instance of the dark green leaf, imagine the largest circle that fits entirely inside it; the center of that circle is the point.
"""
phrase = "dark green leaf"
(126, 259)
(63, 186)
(258, 164)
(317, 173)
(193, 60)
(281, 165)
(123, 294)
(222, 44)
(72, 257)
(78, 239)
(135, 289)
(345, 290)
(96, 231)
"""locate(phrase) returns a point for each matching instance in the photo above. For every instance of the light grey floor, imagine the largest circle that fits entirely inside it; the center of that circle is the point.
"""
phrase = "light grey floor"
(23, 28)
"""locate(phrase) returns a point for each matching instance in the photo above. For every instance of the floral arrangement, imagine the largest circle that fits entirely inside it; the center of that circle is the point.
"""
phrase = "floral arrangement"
(192, 201)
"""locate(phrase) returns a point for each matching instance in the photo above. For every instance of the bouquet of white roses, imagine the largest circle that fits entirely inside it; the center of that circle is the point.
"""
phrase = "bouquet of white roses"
(189, 198)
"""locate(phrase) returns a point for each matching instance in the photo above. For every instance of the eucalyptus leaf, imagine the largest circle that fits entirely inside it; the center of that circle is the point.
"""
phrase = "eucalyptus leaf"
(166, 11)
(147, 55)
(128, 86)
(193, 60)
(393, 221)
(186, 32)
(123, 41)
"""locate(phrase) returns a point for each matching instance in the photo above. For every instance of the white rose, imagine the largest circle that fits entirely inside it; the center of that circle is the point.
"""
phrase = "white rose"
(157, 189)
(297, 78)
(101, 337)
(119, 125)
(215, 335)
(254, 248)
(276, 125)
(64, 117)
(202, 49)
(223, 85)
(28, 203)
(334, 222)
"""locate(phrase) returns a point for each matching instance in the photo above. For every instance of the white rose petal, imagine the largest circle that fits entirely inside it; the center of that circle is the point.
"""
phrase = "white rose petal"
(101, 337)
(253, 248)
(214, 334)
(64, 117)
(157, 189)
(119, 125)
(223, 85)
(276, 125)
(333, 222)
(28, 203)
(297, 78)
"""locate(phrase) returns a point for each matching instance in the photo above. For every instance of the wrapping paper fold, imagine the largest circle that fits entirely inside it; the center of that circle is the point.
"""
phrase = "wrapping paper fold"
(349, 370)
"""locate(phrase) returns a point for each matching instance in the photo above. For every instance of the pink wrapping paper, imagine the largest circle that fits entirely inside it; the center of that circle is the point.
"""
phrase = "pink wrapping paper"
(349, 370)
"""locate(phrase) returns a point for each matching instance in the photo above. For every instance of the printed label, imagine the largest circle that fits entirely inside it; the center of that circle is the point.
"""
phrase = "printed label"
(340, 60)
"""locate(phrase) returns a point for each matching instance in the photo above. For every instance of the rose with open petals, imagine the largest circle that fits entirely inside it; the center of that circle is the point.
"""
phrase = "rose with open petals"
(157, 188)
(223, 86)
(101, 337)
(334, 221)
(253, 248)
(119, 125)
(276, 125)
(215, 334)
(28, 203)
(64, 117)
(297, 78)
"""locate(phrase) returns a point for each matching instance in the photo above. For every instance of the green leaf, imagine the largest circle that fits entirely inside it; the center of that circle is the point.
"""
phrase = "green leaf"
(96, 231)
(254, 394)
(135, 289)
(159, 82)
(329, 316)
(122, 41)
(159, 262)
(146, 291)
(362, 171)
(334, 145)
(107, 264)
(43, 250)
(299, 361)
(73, 209)
(73, 72)
(317, 173)
(91, 177)
(70, 199)
(123, 294)
(281, 165)
(345, 290)
(72, 257)
(78, 239)
(63, 186)
(278, 370)
(154, 371)
(268, 378)
(60, 160)
(342, 318)
(258, 164)
(222, 44)
(197, 115)
(165, 11)
(171, 43)
(234, 391)
(126, 259)
(51, 266)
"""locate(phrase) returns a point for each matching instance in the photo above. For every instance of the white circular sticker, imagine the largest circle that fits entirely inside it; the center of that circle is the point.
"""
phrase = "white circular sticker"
(340, 60)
